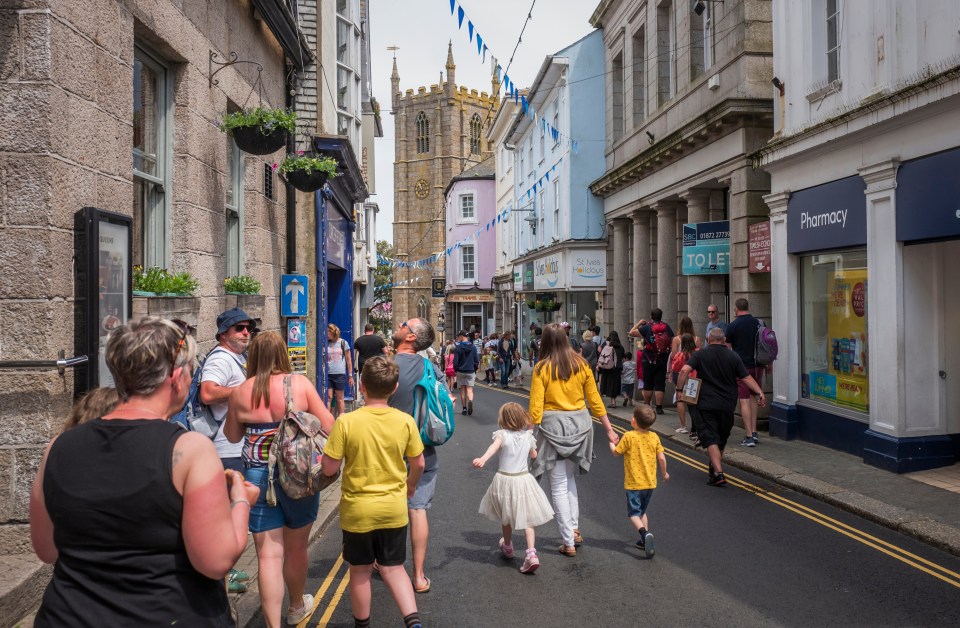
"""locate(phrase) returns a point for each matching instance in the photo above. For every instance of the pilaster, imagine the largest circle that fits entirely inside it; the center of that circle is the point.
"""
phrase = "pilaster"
(641, 265)
(621, 261)
(667, 260)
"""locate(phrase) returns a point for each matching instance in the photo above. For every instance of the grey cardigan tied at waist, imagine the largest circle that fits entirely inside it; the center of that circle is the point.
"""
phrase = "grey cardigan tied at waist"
(563, 435)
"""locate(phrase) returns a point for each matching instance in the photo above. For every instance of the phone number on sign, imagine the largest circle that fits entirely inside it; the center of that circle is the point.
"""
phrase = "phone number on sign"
(715, 235)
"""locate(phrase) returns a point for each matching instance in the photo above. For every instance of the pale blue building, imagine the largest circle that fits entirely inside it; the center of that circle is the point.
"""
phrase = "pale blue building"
(558, 224)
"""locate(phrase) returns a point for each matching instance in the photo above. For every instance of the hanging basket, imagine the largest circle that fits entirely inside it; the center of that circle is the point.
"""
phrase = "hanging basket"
(306, 182)
(252, 140)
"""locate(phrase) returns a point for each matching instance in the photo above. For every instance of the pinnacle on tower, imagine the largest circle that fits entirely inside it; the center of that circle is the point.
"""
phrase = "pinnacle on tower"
(451, 67)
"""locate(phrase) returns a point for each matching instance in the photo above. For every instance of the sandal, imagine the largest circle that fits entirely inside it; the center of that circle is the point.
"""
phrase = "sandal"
(566, 550)
(577, 538)
(681, 430)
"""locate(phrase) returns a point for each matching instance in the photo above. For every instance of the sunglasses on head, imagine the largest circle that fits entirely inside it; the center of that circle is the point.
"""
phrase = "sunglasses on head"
(184, 330)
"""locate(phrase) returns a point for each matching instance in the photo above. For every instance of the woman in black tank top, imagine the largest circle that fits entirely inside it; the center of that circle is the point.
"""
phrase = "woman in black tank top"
(131, 509)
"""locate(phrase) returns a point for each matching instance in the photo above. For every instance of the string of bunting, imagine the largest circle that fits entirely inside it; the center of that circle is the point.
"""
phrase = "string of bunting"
(511, 89)
(433, 259)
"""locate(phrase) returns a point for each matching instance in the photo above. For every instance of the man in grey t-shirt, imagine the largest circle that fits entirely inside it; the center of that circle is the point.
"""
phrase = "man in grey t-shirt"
(409, 337)
(714, 321)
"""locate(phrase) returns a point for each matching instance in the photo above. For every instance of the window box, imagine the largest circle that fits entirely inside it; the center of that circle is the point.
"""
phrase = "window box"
(183, 308)
(252, 304)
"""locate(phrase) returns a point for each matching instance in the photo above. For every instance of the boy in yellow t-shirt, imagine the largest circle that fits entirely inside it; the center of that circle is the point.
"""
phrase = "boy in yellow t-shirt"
(372, 443)
(641, 451)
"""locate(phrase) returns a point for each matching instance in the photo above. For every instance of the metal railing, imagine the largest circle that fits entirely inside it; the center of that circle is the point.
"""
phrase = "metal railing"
(61, 363)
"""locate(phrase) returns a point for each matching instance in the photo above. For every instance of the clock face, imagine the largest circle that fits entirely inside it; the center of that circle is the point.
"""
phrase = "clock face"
(423, 188)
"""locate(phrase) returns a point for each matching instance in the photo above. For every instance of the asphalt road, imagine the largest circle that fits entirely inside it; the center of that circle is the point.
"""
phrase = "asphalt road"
(748, 554)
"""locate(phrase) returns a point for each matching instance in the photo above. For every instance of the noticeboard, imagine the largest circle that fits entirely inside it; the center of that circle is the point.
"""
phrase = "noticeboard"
(706, 248)
(759, 247)
(108, 285)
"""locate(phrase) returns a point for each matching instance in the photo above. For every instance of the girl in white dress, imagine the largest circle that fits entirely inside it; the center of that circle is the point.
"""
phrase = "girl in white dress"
(514, 499)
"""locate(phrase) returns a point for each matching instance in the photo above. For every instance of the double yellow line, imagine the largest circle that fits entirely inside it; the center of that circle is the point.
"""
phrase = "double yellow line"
(322, 591)
(894, 551)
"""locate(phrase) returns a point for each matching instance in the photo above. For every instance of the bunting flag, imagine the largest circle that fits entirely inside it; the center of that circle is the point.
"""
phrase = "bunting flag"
(509, 88)
(434, 259)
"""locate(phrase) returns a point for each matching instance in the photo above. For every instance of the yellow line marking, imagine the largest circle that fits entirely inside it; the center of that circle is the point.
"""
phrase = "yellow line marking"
(335, 601)
(847, 530)
(331, 576)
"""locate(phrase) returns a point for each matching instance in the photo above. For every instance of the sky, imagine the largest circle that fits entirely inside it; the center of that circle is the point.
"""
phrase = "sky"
(421, 30)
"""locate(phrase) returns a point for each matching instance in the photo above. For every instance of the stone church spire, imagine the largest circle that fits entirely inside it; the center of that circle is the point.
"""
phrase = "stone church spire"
(451, 67)
(395, 84)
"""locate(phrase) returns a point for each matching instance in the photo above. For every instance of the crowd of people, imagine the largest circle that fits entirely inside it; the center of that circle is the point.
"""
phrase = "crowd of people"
(127, 501)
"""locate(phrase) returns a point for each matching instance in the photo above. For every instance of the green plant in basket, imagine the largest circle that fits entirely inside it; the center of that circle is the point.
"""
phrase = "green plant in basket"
(150, 280)
(267, 120)
(182, 284)
(309, 164)
(241, 284)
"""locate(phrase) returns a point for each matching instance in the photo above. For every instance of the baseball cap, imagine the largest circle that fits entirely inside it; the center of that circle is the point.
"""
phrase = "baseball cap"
(230, 318)
(565, 325)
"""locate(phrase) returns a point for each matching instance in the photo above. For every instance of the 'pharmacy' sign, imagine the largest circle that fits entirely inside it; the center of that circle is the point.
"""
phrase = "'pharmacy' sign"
(706, 248)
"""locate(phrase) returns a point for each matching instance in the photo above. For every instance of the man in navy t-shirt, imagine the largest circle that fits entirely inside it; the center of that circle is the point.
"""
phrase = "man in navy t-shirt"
(742, 338)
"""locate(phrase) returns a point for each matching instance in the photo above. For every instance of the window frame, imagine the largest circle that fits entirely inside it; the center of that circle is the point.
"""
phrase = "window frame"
(708, 27)
(556, 124)
(476, 128)
(834, 27)
(462, 219)
(556, 208)
(155, 238)
(423, 133)
(464, 277)
(234, 211)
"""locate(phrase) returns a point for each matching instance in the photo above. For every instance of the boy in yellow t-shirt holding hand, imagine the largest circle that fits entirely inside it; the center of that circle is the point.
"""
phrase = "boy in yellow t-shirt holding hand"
(641, 451)
(372, 443)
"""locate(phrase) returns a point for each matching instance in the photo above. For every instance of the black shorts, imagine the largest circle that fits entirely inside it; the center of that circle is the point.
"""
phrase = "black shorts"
(655, 375)
(712, 427)
(387, 546)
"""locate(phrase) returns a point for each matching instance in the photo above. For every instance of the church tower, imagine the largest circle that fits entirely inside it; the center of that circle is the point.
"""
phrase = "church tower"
(440, 133)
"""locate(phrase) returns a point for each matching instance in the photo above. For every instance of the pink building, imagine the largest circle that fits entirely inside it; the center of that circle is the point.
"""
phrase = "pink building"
(471, 244)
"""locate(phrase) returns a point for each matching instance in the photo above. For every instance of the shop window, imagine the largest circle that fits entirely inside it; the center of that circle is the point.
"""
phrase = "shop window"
(834, 340)
(152, 137)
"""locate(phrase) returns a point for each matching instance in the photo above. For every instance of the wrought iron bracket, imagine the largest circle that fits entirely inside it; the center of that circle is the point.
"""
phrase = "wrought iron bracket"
(233, 60)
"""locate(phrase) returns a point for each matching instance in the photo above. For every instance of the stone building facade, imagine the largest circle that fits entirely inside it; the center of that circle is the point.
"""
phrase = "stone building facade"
(688, 100)
(440, 133)
(111, 104)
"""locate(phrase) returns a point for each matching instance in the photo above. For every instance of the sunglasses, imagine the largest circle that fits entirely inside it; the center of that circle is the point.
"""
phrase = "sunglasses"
(244, 327)
(404, 324)
(711, 311)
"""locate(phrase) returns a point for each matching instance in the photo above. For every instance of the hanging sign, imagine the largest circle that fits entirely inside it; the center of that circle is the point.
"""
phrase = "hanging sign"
(759, 246)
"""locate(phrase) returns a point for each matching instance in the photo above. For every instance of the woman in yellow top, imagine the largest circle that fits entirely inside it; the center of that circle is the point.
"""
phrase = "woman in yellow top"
(563, 396)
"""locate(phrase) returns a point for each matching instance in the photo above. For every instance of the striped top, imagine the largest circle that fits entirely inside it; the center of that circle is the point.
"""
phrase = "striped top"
(256, 444)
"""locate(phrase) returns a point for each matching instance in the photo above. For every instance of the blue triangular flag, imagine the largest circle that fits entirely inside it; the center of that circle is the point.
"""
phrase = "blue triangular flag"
(449, 250)
(460, 17)
(452, 4)
(548, 176)
(470, 29)
(484, 60)
(479, 43)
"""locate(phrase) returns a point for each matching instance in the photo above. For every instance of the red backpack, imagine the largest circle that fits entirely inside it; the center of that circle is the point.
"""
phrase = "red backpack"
(661, 340)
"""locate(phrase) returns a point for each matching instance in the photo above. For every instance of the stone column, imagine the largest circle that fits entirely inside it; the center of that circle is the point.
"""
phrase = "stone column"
(667, 260)
(698, 286)
(641, 266)
(621, 274)
(680, 219)
(785, 314)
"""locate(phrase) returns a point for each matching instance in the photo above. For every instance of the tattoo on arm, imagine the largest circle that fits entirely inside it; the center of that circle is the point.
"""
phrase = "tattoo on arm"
(177, 455)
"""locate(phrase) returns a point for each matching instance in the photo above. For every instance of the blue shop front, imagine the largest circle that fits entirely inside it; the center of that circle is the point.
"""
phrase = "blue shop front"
(335, 220)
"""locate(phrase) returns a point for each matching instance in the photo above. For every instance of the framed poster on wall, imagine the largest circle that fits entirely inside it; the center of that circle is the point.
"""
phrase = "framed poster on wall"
(107, 285)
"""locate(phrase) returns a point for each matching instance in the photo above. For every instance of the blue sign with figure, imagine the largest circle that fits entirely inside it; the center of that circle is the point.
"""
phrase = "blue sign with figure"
(706, 248)
(294, 295)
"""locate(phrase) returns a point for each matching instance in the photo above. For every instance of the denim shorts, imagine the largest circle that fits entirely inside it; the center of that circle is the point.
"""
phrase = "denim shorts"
(336, 381)
(423, 495)
(637, 502)
(288, 513)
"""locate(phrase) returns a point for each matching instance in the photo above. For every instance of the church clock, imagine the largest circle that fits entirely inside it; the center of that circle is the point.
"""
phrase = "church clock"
(422, 188)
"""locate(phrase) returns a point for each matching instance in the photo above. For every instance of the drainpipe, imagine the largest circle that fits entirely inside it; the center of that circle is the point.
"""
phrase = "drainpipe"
(291, 193)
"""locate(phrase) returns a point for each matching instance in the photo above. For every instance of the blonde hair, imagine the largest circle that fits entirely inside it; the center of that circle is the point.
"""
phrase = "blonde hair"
(333, 329)
(93, 405)
(267, 356)
(513, 417)
(588, 336)
(145, 352)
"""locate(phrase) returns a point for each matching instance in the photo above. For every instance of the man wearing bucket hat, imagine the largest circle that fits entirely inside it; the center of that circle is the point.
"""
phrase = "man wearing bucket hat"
(224, 369)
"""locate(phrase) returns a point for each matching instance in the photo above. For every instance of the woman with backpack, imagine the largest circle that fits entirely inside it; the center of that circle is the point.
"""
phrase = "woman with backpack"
(339, 368)
(610, 366)
(281, 532)
(686, 343)
(563, 397)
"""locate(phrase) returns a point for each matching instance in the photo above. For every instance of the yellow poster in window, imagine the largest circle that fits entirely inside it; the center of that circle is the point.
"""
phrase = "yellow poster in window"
(847, 331)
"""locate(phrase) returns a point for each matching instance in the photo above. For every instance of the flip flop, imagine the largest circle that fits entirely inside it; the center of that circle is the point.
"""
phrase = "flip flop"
(425, 589)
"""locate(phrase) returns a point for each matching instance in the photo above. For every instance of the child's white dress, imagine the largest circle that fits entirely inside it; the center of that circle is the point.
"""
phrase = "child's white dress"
(514, 497)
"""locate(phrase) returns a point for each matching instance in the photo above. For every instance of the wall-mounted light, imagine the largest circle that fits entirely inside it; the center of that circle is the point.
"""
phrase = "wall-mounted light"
(779, 85)
(650, 137)
(701, 5)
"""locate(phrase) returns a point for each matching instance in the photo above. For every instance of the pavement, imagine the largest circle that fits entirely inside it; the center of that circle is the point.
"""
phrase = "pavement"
(926, 513)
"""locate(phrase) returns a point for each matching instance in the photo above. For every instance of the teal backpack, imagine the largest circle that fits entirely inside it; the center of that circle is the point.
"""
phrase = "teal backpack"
(433, 409)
